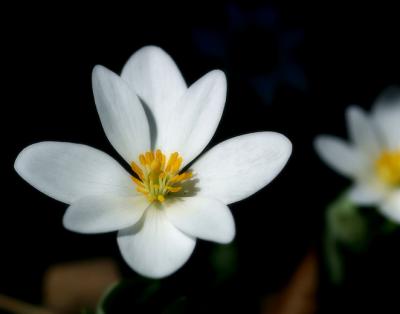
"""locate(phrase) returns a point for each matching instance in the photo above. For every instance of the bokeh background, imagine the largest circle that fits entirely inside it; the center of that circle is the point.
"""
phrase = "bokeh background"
(290, 68)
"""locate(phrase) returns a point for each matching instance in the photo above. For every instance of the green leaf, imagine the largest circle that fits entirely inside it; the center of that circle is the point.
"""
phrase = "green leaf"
(179, 306)
(389, 227)
(224, 259)
(128, 292)
(346, 224)
(334, 259)
(346, 228)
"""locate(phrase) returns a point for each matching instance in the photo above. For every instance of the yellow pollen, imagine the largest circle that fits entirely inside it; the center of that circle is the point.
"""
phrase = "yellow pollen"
(157, 175)
(388, 167)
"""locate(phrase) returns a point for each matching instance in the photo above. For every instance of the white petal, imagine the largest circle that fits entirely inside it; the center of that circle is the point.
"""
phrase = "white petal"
(391, 206)
(240, 166)
(362, 131)
(203, 218)
(67, 172)
(101, 213)
(194, 120)
(121, 114)
(340, 156)
(367, 193)
(386, 115)
(156, 79)
(154, 247)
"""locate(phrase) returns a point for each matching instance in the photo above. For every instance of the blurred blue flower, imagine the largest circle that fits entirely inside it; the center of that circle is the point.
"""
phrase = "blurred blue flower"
(256, 45)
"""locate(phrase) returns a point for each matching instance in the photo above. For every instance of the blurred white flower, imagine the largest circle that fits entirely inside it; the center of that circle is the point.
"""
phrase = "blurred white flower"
(158, 125)
(372, 158)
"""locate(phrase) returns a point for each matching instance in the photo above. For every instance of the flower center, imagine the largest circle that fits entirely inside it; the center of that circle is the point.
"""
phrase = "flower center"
(158, 176)
(388, 167)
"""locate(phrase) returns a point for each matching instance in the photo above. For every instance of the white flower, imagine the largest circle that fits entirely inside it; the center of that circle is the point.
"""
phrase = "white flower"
(372, 159)
(158, 125)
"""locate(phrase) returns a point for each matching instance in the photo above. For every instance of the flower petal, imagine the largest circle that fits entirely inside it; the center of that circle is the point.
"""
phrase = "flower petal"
(68, 172)
(156, 79)
(386, 116)
(391, 206)
(203, 218)
(154, 247)
(339, 155)
(195, 119)
(240, 166)
(121, 114)
(366, 193)
(104, 213)
(362, 131)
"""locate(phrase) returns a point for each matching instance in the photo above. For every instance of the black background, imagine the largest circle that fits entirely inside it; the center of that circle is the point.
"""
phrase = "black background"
(349, 56)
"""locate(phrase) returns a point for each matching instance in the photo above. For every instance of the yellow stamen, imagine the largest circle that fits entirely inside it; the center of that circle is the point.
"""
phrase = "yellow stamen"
(142, 160)
(142, 190)
(173, 188)
(181, 177)
(138, 182)
(171, 161)
(136, 169)
(155, 165)
(158, 175)
(159, 155)
(176, 164)
(388, 167)
(149, 157)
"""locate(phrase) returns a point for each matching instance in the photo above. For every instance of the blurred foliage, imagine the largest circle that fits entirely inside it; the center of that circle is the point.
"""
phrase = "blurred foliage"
(168, 296)
(224, 260)
(350, 231)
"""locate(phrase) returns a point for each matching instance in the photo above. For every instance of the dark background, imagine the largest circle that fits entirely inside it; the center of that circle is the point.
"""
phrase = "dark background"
(333, 57)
